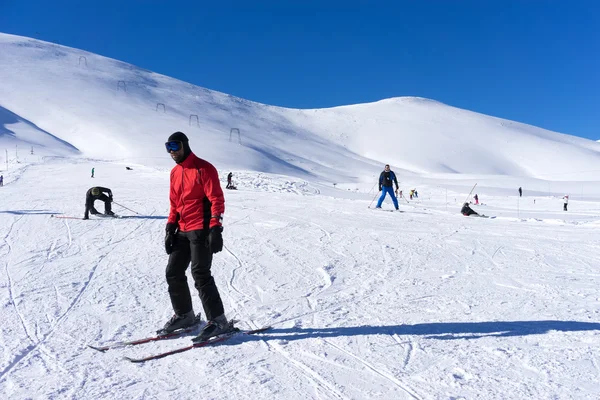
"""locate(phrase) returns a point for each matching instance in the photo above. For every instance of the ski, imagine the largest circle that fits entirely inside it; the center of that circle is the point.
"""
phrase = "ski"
(208, 342)
(148, 339)
(100, 215)
(64, 217)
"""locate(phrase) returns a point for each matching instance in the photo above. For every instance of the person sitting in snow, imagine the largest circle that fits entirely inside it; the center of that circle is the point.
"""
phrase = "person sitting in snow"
(467, 211)
(97, 193)
(386, 181)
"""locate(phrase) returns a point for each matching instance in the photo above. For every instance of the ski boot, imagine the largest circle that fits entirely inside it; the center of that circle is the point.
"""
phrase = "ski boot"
(178, 322)
(215, 327)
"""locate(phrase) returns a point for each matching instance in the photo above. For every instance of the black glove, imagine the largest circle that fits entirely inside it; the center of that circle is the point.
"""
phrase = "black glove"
(170, 237)
(215, 239)
(110, 198)
(380, 188)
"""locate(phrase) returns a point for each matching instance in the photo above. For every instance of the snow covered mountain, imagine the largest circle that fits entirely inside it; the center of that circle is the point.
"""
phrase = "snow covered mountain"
(423, 303)
(112, 110)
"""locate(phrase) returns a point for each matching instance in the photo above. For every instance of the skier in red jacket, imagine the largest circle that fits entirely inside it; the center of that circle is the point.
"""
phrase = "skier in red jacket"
(193, 234)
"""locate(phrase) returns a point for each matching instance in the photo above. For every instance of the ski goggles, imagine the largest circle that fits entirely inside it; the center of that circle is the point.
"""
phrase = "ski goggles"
(173, 146)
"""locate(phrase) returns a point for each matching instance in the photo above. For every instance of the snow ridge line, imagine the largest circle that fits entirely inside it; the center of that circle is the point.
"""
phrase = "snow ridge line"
(230, 283)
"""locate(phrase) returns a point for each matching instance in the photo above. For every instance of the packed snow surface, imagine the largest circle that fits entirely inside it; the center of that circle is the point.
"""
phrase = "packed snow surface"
(423, 303)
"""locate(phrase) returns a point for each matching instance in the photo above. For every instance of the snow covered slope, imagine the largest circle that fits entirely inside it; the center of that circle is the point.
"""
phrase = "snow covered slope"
(365, 304)
(112, 110)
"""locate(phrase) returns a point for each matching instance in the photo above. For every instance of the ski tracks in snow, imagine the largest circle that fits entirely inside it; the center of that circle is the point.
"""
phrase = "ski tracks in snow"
(11, 295)
(37, 344)
(384, 374)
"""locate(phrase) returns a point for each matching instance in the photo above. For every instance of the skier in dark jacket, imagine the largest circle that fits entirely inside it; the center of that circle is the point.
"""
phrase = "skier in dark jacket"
(520, 192)
(97, 193)
(386, 180)
(193, 234)
(467, 211)
(229, 183)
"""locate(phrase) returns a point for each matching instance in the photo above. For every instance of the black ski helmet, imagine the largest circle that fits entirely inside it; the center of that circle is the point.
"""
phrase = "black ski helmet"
(181, 137)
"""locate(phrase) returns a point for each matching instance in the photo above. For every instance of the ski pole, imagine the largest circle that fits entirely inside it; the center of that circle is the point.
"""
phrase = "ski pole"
(467, 199)
(373, 200)
(373, 187)
(121, 205)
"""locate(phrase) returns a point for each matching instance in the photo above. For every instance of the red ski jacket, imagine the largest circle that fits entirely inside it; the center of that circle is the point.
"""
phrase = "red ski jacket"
(196, 197)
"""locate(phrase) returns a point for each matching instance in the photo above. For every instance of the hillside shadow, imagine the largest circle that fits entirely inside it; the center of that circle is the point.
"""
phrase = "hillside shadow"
(437, 330)
(8, 117)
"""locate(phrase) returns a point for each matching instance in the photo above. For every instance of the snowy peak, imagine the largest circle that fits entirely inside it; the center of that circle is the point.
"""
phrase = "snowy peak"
(113, 110)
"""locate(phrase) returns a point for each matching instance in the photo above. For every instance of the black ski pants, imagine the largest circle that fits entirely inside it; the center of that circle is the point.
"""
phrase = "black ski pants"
(89, 204)
(192, 247)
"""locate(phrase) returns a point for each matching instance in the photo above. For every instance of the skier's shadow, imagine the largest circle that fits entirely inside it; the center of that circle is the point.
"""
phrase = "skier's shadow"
(437, 330)
(29, 212)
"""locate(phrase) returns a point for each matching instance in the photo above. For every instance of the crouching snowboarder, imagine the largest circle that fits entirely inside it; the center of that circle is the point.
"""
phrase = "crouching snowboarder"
(98, 193)
(467, 211)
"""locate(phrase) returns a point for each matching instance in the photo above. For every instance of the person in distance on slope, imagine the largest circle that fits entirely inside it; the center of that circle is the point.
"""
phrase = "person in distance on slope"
(467, 211)
(565, 202)
(386, 179)
(193, 235)
(476, 198)
(229, 176)
(520, 192)
(97, 193)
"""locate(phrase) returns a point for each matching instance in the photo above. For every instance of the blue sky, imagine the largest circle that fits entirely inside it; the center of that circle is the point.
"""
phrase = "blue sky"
(532, 61)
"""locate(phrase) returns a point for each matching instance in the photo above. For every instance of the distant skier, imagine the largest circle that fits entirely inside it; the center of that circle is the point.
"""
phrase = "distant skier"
(520, 192)
(92, 172)
(386, 181)
(565, 202)
(416, 194)
(98, 193)
(1, 180)
(229, 183)
(411, 193)
(467, 211)
(476, 198)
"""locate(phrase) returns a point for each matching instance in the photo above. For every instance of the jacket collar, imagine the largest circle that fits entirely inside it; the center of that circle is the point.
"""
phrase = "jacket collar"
(190, 161)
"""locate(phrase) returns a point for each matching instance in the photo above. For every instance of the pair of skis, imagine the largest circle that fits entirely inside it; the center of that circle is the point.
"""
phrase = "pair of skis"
(97, 215)
(208, 342)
